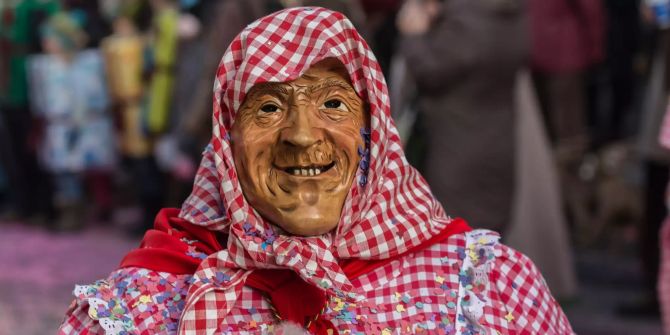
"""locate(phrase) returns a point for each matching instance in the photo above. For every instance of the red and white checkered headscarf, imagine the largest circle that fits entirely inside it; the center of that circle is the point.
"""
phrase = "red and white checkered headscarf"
(389, 208)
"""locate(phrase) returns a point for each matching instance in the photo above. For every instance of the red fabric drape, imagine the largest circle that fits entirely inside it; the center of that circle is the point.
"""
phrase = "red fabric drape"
(165, 247)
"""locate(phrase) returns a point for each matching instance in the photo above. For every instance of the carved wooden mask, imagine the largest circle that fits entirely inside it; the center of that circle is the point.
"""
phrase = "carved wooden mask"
(296, 145)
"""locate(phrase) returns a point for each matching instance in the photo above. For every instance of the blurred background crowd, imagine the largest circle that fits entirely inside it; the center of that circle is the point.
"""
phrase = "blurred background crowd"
(539, 119)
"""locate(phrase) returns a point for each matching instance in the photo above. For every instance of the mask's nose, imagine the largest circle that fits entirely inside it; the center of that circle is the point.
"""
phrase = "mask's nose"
(302, 132)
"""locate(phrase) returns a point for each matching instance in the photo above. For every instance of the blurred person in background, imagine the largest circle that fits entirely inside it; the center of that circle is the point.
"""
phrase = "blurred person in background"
(159, 60)
(30, 197)
(161, 67)
(4, 189)
(123, 54)
(69, 94)
(5, 140)
(655, 158)
(93, 23)
(381, 29)
(464, 56)
(6, 18)
(567, 39)
(538, 227)
(623, 35)
(663, 289)
(5, 163)
(124, 61)
(658, 98)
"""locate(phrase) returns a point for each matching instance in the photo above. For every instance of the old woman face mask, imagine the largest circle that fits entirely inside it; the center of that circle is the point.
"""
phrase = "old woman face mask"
(296, 147)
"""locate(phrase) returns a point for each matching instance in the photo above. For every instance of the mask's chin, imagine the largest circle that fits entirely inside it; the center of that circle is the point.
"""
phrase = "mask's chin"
(304, 201)
(308, 222)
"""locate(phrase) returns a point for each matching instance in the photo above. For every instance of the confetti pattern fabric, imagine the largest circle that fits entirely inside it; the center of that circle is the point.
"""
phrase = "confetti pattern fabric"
(469, 284)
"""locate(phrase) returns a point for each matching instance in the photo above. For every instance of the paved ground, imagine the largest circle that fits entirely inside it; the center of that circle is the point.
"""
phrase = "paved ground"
(608, 280)
(38, 270)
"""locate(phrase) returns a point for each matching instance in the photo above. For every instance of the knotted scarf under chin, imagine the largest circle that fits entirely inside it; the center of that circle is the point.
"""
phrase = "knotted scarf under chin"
(292, 298)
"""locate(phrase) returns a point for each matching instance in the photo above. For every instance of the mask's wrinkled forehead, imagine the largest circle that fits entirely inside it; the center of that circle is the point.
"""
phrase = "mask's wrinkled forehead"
(282, 46)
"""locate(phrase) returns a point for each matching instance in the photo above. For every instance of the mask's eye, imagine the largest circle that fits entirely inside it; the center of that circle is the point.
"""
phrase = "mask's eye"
(334, 103)
(269, 108)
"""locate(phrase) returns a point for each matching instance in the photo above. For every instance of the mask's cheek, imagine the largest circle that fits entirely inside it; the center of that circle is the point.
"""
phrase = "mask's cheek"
(348, 160)
(246, 162)
(259, 170)
(350, 142)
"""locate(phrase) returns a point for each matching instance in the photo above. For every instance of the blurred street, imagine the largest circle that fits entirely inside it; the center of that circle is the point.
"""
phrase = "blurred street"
(33, 303)
(606, 282)
(39, 272)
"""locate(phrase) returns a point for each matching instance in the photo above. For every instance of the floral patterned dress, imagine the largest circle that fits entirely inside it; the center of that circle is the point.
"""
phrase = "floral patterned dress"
(468, 285)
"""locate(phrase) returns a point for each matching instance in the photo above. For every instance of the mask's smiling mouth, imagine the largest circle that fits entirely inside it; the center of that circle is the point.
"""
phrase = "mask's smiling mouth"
(308, 171)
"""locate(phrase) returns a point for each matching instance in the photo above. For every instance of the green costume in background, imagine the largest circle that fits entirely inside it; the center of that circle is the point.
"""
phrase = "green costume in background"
(20, 28)
(25, 40)
(162, 80)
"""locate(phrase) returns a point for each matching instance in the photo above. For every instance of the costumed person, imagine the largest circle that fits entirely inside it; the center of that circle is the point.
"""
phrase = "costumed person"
(539, 227)
(68, 92)
(655, 161)
(124, 62)
(123, 52)
(464, 56)
(163, 59)
(380, 16)
(159, 71)
(567, 39)
(306, 217)
(93, 21)
(29, 182)
(664, 264)
(6, 165)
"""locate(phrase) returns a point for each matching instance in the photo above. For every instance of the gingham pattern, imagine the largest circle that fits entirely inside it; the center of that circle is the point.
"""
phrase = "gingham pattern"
(422, 292)
(392, 213)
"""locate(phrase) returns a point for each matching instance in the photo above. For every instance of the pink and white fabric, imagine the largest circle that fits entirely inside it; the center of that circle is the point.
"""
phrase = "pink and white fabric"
(664, 270)
(469, 284)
